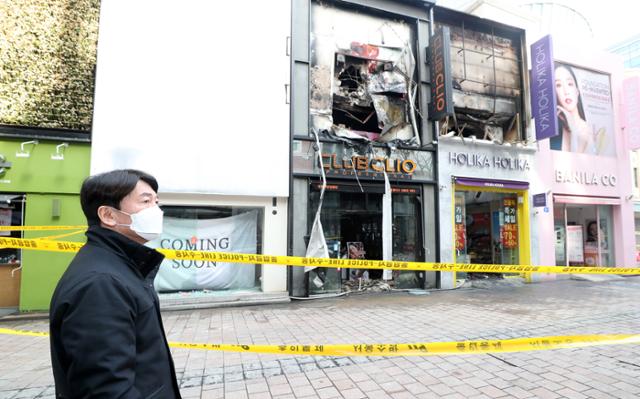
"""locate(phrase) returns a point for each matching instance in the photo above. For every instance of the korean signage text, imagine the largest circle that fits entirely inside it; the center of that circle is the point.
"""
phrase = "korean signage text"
(509, 231)
(460, 229)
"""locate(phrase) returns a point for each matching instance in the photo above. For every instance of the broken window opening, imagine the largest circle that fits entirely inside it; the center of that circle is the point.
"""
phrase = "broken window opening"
(499, 129)
(369, 98)
(362, 77)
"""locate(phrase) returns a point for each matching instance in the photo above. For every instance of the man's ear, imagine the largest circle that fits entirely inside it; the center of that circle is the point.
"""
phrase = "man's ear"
(107, 216)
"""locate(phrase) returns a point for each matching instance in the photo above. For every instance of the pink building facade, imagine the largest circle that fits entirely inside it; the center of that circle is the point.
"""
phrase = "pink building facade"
(584, 172)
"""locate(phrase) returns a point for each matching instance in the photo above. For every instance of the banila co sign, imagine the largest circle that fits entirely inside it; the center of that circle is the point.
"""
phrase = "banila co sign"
(441, 103)
(543, 93)
(586, 178)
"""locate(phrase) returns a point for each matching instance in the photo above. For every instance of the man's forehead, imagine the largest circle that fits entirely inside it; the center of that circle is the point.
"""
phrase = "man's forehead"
(143, 189)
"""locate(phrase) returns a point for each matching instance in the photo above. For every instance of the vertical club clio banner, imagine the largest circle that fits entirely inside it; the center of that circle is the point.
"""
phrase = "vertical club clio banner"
(232, 234)
(441, 104)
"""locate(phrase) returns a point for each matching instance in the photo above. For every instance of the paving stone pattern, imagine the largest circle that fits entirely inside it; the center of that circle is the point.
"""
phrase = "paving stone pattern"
(555, 308)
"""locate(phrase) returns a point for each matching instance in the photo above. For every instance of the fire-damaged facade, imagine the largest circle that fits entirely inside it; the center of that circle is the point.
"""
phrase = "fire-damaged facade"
(392, 101)
(486, 149)
(363, 150)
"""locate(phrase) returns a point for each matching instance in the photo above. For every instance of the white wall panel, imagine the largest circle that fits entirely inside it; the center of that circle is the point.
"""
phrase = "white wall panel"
(194, 93)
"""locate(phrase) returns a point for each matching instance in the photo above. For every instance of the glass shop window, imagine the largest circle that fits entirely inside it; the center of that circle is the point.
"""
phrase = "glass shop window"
(486, 229)
(584, 235)
(210, 228)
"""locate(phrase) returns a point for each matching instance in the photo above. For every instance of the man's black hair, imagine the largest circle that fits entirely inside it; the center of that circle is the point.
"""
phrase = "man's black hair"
(109, 189)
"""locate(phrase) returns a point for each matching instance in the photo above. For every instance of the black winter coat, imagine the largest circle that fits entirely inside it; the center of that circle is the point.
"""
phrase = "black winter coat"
(107, 338)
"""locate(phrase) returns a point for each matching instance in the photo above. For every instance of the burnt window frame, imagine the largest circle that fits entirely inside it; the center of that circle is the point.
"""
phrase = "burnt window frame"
(464, 21)
(418, 14)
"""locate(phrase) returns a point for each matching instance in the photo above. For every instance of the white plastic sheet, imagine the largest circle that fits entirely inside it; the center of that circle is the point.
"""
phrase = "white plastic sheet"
(231, 234)
(387, 226)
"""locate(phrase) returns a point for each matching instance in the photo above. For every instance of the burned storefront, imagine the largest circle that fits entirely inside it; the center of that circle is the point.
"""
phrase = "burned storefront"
(486, 157)
(363, 183)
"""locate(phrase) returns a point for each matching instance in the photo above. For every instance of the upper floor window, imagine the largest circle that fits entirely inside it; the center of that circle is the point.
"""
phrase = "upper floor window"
(486, 67)
(362, 76)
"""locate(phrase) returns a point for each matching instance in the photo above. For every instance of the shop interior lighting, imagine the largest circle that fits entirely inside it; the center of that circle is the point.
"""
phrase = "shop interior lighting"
(59, 155)
(24, 153)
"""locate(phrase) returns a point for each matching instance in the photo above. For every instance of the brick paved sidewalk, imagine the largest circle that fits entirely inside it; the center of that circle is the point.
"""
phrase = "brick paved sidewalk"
(557, 308)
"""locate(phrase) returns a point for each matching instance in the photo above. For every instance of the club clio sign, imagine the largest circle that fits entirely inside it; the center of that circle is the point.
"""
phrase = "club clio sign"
(368, 166)
(543, 93)
(441, 103)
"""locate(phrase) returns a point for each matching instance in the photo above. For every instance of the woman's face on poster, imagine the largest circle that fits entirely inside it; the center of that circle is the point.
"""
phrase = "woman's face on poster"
(593, 230)
(566, 89)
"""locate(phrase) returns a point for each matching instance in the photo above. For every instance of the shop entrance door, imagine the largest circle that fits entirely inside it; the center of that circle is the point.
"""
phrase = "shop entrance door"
(11, 214)
(489, 228)
(351, 218)
(584, 234)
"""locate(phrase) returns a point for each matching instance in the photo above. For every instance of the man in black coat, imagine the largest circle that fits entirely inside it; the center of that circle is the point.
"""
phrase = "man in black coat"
(107, 338)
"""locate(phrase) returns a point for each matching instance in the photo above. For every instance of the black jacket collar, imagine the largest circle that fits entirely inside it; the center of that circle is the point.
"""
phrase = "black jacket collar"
(143, 259)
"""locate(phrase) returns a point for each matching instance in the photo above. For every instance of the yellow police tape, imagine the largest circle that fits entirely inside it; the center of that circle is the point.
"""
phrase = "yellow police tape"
(58, 236)
(68, 246)
(413, 349)
(40, 228)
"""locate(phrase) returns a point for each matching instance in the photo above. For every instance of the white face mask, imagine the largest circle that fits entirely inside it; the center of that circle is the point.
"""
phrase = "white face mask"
(146, 223)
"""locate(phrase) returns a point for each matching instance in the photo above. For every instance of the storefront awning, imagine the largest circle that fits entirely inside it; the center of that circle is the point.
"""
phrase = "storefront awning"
(576, 199)
(491, 183)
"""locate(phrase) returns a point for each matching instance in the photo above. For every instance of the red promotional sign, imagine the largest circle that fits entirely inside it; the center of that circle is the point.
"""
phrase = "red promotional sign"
(460, 230)
(461, 237)
(509, 230)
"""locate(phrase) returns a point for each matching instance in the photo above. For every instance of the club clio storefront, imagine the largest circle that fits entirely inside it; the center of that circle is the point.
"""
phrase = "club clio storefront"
(361, 217)
(587, 219)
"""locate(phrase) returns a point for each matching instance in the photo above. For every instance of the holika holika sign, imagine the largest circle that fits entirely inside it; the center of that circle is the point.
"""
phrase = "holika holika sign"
(486, 161)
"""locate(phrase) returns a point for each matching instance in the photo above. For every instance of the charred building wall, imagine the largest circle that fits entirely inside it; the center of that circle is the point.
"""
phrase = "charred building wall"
(363, 149)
